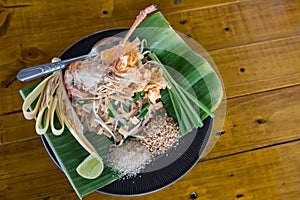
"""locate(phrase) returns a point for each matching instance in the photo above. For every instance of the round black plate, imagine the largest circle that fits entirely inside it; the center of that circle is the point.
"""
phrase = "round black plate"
(167, 168)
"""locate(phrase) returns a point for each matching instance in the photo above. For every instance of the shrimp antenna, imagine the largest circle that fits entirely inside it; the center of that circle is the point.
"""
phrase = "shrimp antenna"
(141, 16)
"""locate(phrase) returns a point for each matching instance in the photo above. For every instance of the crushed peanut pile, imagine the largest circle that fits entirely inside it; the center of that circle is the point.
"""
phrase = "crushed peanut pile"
(160, 134)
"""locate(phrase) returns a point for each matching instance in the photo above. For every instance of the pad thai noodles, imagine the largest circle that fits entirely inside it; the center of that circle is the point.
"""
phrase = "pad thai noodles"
(116, 97)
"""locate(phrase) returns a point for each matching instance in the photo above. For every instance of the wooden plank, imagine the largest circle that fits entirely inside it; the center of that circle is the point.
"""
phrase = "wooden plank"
(49, 184)
(36, 186)
(24, 154)
(10, 100)
(253, 175)
(25, 167)
(239, 22)
(79, 14)
(259, 67)
(12, 128)
(259, 120)
(259, 20)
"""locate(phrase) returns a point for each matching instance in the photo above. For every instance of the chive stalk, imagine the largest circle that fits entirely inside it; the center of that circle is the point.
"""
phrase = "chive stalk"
(143, 111)
(138, 96)
(187, 117)
(110, 113)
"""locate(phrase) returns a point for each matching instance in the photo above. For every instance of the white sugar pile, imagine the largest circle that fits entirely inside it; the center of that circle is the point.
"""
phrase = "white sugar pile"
(130, 158)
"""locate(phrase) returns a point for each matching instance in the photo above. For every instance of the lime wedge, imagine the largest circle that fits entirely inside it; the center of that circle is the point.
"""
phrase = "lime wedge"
(91, 167)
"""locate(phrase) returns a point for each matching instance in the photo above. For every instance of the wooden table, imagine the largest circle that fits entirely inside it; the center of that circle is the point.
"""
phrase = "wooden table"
(254, 43)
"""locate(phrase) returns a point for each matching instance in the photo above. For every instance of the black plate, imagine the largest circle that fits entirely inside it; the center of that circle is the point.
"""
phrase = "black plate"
(168, 167)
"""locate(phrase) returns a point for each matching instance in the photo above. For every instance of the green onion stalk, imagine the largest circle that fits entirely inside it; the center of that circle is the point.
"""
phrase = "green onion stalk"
(187, 117)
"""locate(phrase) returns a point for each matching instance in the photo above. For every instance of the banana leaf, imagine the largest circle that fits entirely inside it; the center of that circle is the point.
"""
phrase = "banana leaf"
(187, 67)
(172, 51)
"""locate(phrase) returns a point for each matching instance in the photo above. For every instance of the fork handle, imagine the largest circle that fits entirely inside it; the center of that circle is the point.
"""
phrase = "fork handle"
(28, 74)
(31, 73)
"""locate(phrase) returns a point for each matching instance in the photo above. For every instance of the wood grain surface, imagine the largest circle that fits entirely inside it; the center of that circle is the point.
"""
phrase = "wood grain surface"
(254, 43)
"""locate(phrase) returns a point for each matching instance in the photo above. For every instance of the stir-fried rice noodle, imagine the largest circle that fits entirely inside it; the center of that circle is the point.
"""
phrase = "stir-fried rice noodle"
(117, 96)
